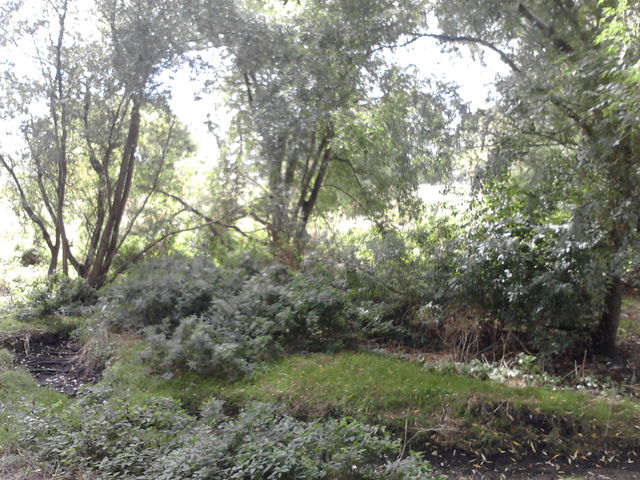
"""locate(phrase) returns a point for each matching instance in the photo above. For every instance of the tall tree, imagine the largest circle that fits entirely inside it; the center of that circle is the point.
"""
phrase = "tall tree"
(324, 121)
(82, 102)
(566, 106)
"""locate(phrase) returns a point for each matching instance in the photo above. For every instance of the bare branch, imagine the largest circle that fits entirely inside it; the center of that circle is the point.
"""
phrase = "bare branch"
(150, 246)
(211, 221)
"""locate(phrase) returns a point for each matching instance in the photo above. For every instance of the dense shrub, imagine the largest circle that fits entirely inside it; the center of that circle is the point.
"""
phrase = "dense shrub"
(223, 344)
(254, 320)
(264, 443)
(542, 281)
(159, 441)
(115, 438)
(58, 294)
(393, 274)
(164, 289)
(317, 304)
(490, 271)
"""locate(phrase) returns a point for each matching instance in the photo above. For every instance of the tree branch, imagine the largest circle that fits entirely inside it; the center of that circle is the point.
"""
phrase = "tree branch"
(150, 246)
(458, 39)
(210, 221)
(163, 158)
(25, 204)
(548, 30)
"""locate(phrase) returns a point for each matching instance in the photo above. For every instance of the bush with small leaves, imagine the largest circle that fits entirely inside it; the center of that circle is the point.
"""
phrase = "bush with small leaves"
(117, 439)
(61, 295)
(262, 442)
(164, 289)
(252, 320)
(213, 345)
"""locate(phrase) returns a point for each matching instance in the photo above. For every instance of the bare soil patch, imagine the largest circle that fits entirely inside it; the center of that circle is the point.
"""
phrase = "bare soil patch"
(51, 358)
(462, 466)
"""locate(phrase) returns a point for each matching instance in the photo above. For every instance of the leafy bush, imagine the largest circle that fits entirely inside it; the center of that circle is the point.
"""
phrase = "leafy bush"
(115, 438)
(58, 294)
(317, 305)
(251, 322)
(542, 281)
(394, 274)
(164, 289)
(223, 344)
(31, 256)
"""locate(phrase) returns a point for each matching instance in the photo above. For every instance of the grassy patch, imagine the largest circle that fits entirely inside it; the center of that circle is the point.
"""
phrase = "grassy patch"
(464, 412)
(128, 377)
(19, 393)
(10, 323)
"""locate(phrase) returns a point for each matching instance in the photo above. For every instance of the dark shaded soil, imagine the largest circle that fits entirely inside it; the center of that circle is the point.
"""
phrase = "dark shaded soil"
(50, 358)
(461, 466)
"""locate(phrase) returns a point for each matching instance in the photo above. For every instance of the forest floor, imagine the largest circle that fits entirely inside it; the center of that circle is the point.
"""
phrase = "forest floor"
(483, 429)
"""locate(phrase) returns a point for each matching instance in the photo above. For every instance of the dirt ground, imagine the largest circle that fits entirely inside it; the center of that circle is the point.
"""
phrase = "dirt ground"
(535, 468)
(50, 358)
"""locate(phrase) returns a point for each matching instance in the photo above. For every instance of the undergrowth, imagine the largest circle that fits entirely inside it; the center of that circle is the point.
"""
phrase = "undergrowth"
(133, 425)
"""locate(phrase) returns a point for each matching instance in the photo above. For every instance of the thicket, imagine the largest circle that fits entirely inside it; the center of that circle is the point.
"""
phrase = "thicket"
(220, 320)
(57, 294)
(473, 284)
(488, 279)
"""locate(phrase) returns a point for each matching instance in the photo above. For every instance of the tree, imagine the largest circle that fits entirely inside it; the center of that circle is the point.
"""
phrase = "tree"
(566, 107)
(325, 122)
(82, 103)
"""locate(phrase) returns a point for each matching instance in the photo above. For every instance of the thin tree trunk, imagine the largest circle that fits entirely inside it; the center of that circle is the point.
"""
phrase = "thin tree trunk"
(605, 341)
(53, 263)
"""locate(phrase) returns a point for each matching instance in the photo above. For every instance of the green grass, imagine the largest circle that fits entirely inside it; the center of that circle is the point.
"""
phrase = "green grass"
(435, 407)
(462, 411)
(10, 323)
(19, 393)
(427, 406)
(132, 380)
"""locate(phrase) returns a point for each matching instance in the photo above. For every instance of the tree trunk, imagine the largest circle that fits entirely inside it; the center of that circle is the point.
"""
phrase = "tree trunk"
(607, 332)
(96, 273)
(53, 263)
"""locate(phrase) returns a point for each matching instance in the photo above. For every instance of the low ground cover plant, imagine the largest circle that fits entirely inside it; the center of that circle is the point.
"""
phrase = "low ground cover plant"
(157, 439)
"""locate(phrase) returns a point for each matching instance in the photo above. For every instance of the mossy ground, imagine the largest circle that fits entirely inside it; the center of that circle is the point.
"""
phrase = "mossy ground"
(132, 380)
(477, 415)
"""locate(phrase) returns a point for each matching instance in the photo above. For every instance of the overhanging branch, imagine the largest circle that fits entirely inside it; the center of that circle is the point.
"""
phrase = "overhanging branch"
(458, 39)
